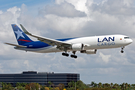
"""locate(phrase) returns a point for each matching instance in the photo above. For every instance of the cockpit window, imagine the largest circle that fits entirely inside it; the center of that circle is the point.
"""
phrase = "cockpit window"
(126, 37)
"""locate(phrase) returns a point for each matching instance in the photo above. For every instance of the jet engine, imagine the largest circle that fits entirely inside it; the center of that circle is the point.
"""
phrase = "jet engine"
(77, 47)
(92, 51)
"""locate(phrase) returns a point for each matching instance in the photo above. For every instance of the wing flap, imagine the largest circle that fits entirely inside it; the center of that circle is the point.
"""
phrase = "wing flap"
(16, 45)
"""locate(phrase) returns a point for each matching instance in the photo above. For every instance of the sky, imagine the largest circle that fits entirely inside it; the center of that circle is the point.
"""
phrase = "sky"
(64, 19)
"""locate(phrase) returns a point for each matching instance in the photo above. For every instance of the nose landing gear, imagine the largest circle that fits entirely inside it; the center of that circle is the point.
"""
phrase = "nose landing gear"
(122, 49)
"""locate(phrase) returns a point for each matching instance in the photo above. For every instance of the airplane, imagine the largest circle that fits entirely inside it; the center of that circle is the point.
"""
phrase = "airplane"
(87, 45)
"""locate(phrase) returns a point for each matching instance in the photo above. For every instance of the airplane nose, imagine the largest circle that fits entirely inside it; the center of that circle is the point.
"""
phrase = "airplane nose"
(130, 41)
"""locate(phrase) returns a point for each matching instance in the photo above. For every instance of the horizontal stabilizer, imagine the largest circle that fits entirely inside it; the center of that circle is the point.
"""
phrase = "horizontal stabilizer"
(16, 45)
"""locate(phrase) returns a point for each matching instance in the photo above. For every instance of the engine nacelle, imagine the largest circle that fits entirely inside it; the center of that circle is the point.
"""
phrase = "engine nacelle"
(77, 47)
(92, 51)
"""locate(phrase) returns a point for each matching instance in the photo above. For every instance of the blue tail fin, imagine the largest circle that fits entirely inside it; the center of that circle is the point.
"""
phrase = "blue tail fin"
(21, 37)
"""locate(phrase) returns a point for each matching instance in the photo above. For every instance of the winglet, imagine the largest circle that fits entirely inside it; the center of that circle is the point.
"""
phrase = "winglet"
(25, 31)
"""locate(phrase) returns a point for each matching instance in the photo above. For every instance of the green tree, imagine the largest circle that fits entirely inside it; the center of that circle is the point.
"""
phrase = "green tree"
(115, 86)
(111, 85)
(50, 83)
(107, 85)
(71, 88)
(133, 86)
(129, 86)
(80, 85)
(21, 84)
(71, 84)
(18, 84)
(42, 87)
(95, 84)
(92, 84)
(21, 88)
(7, 86)
(100, 85)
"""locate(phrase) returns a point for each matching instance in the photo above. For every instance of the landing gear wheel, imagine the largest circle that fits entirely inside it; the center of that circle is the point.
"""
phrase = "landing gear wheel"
(122, 51)
(73, 56)
(65, 54)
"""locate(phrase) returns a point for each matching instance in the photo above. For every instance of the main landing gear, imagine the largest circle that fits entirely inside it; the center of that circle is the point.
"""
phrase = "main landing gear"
(122, 49)
(65, 54)
(72, 56)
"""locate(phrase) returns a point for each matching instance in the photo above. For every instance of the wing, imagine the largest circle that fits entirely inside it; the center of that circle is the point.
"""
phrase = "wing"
(60, 45)
(16, 45)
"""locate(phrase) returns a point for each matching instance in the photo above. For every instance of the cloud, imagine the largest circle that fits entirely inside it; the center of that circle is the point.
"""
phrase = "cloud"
(114, 7)
(105, 58)
(1, 12)
(63, 10)
(60, 25)
(79, 4)
(107, 18)
(59, 1)
(72, 18)
(129, 2)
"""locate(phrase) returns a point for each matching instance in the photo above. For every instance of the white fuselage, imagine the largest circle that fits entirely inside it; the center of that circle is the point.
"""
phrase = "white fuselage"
(93, 42)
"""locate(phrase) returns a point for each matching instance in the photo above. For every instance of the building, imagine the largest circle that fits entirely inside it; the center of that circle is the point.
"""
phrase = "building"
(41, 77)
